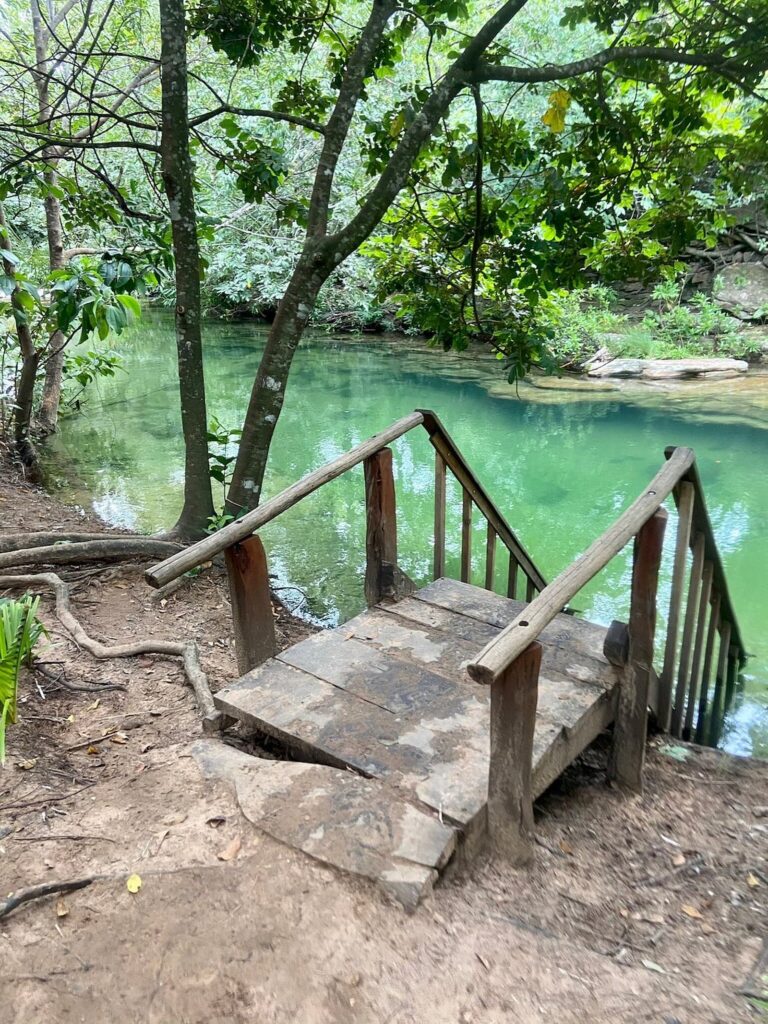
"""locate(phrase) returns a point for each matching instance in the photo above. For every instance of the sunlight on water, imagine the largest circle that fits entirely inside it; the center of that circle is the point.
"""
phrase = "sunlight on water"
(561, 465)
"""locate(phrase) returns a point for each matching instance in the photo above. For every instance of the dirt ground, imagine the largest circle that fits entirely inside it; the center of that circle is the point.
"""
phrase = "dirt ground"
(637, 909)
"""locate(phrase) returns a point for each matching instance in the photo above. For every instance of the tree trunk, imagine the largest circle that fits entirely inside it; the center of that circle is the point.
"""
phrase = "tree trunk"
(177, 176)
(48, 413)
(30, 358)
(268, 392)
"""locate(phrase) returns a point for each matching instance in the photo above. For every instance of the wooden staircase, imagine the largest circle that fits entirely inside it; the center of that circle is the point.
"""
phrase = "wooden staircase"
(453, 706)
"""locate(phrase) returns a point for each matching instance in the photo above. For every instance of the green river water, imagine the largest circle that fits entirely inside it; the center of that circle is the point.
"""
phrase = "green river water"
(561, 461)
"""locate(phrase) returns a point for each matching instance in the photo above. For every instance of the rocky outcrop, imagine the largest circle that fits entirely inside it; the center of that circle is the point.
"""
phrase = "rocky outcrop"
(668, 369)
(742, 289)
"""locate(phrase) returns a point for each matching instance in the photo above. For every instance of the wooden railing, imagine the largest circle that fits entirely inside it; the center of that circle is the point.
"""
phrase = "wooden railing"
(688, 696)
(246, 559)
(681, 696)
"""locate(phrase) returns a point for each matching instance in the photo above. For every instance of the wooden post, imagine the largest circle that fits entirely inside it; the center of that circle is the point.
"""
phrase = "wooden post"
(439, 516)
(718, 702)
(512, 576)
(252, 615)
(490, 557)
(466, 536)
(631, 726)
(530, 590)
(381, 528)
(686, 497)
(691, 612)
(513, 718)
(706, 672)
(698, 647)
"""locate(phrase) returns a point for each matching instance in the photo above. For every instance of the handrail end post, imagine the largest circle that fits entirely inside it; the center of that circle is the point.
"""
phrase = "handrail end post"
(514, 695)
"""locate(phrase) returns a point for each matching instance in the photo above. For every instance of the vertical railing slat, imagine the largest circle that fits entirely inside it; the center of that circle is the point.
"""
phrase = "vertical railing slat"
(686, 496)
(716, 716)
(512, 577)
(698, 647)
(691, 612)
(706, 671)
(439, 565)
(490, 557)
(466, 537)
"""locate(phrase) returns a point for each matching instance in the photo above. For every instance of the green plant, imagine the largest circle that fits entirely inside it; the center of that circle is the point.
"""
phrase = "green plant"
(221, 459)
(20, 630)
(576, 322)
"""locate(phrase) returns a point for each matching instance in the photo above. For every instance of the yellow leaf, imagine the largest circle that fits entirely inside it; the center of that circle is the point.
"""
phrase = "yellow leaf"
(752, 881)
(397, 125)
(133, 883)
(94, 705)
(61, 908)
(691, 911)
(554, 118)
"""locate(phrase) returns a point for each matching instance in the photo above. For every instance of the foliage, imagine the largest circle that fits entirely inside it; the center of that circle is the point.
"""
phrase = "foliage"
(579, 321)
(222, 454)
(20, 630)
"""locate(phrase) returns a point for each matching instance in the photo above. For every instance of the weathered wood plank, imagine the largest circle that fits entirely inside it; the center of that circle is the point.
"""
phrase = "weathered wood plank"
(563, 700)
(706, 671)
(439, 562)
(512, 576)
(698, 648)
(381, 527)
(718, 700)
(629, 731)
(582, 639)
(686, 644)
(685, 496)
(466, 536)
(252, 617)
(490, 557)
(510, 795)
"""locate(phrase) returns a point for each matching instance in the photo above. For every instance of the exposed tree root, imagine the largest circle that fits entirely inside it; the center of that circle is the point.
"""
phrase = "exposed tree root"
(95, 550)
(36, 892)
(14, 541)
(186, 650)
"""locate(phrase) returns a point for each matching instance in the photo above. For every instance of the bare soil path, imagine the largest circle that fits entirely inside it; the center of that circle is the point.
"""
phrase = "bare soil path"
(644, 909)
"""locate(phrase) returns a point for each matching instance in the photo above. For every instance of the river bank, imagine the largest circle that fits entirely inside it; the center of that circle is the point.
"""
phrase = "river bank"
(231, 926)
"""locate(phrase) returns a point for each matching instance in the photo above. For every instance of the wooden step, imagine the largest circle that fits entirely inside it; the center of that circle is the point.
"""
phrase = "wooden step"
(385, 695)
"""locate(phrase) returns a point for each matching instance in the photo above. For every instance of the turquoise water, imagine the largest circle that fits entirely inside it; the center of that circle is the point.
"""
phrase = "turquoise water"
(560, 463)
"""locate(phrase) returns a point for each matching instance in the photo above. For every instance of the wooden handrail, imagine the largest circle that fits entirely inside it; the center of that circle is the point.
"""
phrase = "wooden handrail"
(499, 654)
(446, 447)
(204, 550)
(700, 523)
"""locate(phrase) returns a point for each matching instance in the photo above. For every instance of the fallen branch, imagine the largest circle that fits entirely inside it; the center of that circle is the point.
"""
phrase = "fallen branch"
(186, 650)
(37, 892)
(89, 551)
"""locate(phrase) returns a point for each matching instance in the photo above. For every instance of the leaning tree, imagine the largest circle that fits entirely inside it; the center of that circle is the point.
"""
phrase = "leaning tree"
(649, 44)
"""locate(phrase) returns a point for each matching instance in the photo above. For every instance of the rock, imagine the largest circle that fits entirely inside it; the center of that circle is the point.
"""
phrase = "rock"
(602, 355)
(743, 290)
(619, 368)
(670, 369)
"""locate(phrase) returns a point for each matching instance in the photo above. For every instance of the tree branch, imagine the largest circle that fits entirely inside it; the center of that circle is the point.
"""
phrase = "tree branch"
(556, 72)
(273, 115)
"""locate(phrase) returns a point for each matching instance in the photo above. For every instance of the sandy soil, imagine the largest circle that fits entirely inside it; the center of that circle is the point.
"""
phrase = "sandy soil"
(638, 909)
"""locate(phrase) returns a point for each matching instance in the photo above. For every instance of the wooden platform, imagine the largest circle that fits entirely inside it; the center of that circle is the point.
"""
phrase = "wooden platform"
(386, 696)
